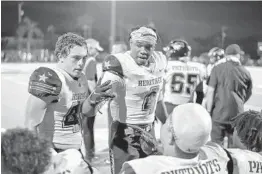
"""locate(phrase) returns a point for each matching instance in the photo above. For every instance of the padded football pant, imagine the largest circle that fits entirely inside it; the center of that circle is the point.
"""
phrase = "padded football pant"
(125, 145)
(90, 145)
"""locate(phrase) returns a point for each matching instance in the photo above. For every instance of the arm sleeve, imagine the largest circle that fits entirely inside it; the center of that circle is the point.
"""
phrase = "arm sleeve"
(45, 84)
(112, 70)
(213, 77)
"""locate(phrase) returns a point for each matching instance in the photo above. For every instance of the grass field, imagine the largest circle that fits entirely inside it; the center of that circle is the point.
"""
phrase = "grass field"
(14, 96)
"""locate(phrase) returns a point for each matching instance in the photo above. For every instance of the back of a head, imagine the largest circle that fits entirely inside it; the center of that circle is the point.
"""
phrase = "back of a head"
(234, 49)
(192, 127)
(177, 49)
(249, 129)
(23, 151)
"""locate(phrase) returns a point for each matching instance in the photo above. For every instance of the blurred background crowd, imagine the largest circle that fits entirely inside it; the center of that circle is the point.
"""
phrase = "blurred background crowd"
(30, 29)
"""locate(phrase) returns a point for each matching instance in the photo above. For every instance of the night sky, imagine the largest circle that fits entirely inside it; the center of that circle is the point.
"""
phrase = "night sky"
(186, 19)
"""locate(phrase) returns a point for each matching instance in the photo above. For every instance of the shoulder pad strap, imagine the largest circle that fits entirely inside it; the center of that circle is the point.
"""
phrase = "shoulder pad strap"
(44, 82)
(113, 65)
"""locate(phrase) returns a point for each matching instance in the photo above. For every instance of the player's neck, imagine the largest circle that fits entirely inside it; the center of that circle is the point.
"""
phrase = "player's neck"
(60, 66)
(180, 154)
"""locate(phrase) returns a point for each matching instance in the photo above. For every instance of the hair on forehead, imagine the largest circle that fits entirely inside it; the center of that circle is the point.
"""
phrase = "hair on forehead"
(67, 41)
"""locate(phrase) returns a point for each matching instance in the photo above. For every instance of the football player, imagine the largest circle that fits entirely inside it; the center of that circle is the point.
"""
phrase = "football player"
(90, 71)
(182, 76)
(247, 135)
(185, 137)
(215, 54)
(59, 101)
(137, 81)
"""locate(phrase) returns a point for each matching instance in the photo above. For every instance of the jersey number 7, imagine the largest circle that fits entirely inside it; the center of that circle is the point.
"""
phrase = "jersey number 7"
(178, 83)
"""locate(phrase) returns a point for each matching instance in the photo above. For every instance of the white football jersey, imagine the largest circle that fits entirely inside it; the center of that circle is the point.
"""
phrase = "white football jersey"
(141, 90)
(181, 79)
(61, 123)
(245, 161)
(212, 160)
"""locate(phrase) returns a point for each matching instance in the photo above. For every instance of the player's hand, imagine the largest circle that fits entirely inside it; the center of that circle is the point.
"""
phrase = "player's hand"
(101, 92)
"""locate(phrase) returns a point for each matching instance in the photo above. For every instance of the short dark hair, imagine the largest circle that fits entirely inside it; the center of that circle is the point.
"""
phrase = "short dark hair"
(22, 151)
(67, 41)
(249, 129)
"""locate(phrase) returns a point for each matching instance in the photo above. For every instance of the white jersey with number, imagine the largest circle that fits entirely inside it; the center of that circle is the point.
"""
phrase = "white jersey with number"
(212, 160)
(61, 122)
(246, 162)
(181, 79)
(138, 96)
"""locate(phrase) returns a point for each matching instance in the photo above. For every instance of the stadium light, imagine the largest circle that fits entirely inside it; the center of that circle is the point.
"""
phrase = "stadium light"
(113, 24)
(20, 12)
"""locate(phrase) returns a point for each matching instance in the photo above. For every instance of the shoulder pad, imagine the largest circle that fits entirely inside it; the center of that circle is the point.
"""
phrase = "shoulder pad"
(113, 65)
(44, 82)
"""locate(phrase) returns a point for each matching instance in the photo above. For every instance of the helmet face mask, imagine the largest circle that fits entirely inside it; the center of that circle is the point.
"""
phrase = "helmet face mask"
(177, 49)
(216, 54)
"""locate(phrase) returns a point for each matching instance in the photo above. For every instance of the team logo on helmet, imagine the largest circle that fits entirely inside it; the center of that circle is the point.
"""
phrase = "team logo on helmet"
(177, 48)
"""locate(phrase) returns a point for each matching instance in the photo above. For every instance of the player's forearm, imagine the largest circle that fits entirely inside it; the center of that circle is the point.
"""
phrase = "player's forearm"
(34, 113)
(88, 109)
(85, 135)
(209, 100)
(92, 85)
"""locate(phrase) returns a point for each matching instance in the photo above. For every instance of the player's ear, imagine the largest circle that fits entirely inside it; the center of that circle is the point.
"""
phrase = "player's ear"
(60, 58)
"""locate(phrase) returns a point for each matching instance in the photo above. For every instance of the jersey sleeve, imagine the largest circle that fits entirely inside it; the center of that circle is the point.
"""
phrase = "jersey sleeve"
(44, 83)
(112, 64)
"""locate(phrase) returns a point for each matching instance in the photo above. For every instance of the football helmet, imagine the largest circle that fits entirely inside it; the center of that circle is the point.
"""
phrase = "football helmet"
(217, 53)
(177, 49)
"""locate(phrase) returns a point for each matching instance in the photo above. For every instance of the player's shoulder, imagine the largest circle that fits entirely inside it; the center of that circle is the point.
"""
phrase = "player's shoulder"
(142, 165)
(213, 149)
(197, 65)
(113, 65)
(43, 82)
(160, 56)
(243, 154)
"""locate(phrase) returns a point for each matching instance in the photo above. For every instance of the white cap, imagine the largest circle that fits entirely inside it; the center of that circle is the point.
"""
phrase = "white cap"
(94, 43)
(192, 126)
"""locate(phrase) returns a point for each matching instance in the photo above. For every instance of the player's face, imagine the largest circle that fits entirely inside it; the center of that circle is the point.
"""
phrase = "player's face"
(141, 51)
(92, 51)
(74, 63)
(212, 59)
